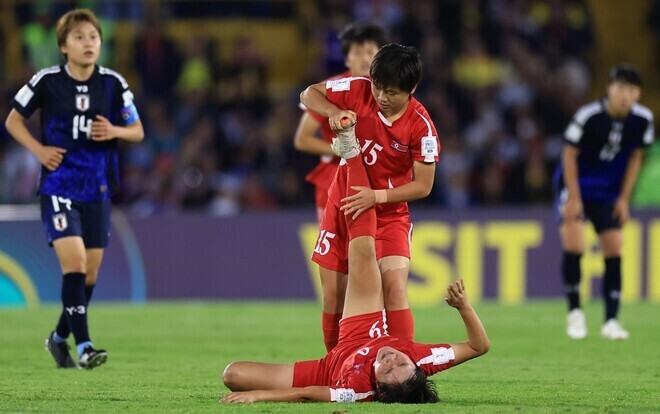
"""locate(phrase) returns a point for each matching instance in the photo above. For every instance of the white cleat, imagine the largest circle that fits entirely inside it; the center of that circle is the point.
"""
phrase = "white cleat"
(576, 324)
(613, 330)
(346, 144)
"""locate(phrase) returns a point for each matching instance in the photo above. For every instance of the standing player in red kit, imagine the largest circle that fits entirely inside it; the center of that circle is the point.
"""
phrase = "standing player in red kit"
(359, 44)
(367, 364)
(399, 148)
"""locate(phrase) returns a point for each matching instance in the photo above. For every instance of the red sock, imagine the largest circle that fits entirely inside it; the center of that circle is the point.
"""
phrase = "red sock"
(400, 323)
(365, 223)
(330, 324)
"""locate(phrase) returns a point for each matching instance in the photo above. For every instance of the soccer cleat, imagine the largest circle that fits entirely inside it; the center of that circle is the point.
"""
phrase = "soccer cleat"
(60, 352)
(346, 144)
(92, 358)
(612, 329)
(576, 325)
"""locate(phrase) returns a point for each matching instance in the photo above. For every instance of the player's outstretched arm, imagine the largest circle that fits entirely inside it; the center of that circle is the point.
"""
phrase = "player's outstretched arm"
(477, 343)
(318, 394)
(50, 157)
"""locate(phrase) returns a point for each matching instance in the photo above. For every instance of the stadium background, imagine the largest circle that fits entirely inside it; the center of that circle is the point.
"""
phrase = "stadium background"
(216, 189)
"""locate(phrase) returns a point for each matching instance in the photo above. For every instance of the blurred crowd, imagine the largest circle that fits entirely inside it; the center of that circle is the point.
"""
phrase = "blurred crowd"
(501, 80)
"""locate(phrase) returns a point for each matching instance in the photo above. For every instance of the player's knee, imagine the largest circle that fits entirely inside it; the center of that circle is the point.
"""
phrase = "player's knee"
(365, 249)
(91, 277)
(333, 302)
(395, 295)
(77, 264)
(231, 376)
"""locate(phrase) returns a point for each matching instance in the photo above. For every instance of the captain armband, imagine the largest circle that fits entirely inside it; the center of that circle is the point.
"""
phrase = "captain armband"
(129, 114)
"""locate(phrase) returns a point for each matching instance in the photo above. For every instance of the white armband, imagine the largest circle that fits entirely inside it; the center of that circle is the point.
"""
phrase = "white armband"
(342, 395)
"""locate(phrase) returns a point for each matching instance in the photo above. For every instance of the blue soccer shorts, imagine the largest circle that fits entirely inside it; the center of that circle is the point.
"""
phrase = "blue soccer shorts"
(63, 217)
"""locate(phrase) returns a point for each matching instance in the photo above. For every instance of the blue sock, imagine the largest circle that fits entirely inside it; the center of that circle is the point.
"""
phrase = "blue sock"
(81, 346)
(58, 338)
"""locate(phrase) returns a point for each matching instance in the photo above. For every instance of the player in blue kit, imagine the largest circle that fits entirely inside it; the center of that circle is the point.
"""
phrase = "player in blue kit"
(603, 152)
(85, 110)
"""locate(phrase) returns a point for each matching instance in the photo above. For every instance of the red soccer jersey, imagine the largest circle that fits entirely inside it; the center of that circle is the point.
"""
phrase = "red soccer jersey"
(389, 149)
(323, 174)
(352, 378)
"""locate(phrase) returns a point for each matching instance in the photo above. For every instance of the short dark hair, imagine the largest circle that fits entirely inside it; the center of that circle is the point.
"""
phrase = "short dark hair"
(359, 33)
(396, 66)
(627, 73)
(418, 389)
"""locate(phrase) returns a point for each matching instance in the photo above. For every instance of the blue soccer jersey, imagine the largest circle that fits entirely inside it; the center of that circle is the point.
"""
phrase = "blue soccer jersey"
(89, 171)
(605, 145)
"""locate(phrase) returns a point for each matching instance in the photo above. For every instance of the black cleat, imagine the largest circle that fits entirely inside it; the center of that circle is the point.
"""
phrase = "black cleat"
(60, 351)
(92, 358)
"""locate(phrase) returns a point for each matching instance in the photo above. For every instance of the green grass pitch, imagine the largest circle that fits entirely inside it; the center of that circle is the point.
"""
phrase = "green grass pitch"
(168, 357)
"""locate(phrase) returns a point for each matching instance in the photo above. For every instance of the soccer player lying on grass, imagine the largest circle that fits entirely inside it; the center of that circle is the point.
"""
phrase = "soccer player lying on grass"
(367, 364)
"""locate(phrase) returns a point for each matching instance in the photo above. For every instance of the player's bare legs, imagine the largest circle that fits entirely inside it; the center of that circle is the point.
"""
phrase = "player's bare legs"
(364, 292)
(572, 236)
(610, 243)
(394, 271)
(245, 376)
(333, 285)
(71, 254)
(94, 260)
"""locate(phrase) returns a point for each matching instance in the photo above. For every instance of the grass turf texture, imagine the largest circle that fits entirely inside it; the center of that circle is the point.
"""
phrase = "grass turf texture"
(168, 357)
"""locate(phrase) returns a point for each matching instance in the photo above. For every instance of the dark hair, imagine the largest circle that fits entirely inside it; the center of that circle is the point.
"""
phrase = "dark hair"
(359, 33)
(627, 73)
(417, 389)
(396, 66)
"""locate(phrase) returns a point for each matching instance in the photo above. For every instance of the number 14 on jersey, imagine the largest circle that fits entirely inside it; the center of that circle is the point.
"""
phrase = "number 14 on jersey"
(81, 124)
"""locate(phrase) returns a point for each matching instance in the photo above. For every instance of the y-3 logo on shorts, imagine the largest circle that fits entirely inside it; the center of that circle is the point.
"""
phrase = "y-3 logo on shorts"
(75, 309)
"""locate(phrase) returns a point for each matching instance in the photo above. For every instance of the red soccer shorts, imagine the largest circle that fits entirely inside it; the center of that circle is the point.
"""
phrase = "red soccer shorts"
(331, 251)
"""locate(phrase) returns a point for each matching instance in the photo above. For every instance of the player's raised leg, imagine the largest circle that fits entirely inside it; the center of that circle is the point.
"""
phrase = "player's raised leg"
(364, 292)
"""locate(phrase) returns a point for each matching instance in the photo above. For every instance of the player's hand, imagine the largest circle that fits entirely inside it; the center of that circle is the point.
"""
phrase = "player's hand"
(241, 397)
(102, 129)
(621, 211)
(335, 119)
(363, 200)
(573, 210)
(456, 296)
(51, 157)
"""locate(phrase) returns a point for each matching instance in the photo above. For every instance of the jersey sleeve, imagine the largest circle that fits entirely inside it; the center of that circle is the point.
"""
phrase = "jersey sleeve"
(348, 93)
(424, 144)
(354, 389)
(578, 129)
(433, 358)
(125, 109)
(30, 97)
(649, 134)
